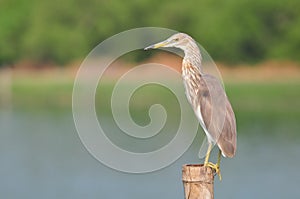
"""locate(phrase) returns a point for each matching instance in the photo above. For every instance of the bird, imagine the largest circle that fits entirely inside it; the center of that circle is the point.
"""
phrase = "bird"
(207, 98)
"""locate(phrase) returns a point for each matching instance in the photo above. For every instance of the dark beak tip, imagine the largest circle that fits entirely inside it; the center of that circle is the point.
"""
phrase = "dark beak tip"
(150, 47)
(147, 48)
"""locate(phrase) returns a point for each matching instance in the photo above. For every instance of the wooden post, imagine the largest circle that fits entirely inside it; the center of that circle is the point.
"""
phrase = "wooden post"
(198, 181)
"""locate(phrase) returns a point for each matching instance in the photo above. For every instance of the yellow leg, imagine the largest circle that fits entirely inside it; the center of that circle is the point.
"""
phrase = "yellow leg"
(219, 158)
(216, 167)
(208, 153)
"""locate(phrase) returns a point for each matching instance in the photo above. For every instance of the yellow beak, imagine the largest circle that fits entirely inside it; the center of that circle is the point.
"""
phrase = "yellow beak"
(158, 45)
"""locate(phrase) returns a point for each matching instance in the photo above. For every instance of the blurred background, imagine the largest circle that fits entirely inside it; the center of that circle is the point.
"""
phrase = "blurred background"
(256, 45)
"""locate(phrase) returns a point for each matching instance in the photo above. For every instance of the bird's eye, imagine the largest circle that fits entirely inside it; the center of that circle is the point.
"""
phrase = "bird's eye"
(176, 39)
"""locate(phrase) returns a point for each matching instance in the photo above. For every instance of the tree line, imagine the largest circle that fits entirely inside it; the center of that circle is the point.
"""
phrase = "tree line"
(233, 31)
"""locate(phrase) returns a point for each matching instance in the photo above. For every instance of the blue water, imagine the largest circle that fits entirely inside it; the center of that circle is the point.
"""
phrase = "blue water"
(43, 157)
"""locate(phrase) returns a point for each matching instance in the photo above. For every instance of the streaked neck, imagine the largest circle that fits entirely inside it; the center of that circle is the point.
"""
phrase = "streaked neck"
(192, 56)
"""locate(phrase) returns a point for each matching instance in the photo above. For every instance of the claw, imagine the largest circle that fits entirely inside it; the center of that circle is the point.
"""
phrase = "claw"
(215, 167)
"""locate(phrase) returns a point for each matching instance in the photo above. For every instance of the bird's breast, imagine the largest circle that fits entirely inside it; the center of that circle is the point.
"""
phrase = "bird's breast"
(191, 79)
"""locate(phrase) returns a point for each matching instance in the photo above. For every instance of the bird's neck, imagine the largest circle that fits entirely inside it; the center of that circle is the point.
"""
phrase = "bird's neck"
(192, 57)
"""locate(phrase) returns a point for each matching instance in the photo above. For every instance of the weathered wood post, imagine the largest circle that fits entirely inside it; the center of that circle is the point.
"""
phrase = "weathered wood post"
(198, 181)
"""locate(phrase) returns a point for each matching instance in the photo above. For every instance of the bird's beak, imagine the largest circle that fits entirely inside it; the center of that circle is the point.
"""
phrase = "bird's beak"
(158, 45)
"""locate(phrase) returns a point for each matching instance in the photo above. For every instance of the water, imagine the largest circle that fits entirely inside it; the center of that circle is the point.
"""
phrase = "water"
(42, 157)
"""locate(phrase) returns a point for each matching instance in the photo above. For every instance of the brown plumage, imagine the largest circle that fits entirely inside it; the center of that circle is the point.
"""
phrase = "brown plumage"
(206, 96)
(226, 138)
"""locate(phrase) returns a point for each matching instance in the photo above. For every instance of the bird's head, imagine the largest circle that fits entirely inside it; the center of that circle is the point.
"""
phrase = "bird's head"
(178, 40)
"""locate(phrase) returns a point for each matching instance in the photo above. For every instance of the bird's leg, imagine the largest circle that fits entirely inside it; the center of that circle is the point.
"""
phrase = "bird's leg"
(219, 158)
(207, 154)
(216, 167)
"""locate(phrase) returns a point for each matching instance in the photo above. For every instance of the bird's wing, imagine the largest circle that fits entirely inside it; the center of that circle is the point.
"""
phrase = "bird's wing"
(217, 115)
(227, 139)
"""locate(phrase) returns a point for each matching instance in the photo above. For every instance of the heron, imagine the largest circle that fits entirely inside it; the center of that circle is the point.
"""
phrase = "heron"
(208, 99)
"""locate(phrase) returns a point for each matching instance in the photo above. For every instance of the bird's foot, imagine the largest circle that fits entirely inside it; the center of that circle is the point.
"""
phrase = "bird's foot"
(215, 167)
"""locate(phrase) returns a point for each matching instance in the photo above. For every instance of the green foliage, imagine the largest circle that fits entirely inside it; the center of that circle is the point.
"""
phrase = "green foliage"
(232, 31)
